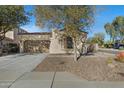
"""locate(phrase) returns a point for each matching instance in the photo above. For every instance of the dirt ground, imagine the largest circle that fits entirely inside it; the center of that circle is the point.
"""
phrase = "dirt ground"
(98, 67)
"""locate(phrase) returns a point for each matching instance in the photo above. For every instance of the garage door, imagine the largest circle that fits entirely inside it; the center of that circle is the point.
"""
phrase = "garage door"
(36, 46)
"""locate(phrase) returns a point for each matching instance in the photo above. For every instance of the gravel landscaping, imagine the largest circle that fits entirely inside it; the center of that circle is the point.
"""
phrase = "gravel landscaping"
(97, 67)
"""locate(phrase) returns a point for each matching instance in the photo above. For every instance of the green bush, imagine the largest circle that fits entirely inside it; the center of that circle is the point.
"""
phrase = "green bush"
(108, 45)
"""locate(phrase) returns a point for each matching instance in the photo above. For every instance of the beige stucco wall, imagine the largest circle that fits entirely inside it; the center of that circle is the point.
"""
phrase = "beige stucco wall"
(10, 34)
(14, 33)
(57, 45)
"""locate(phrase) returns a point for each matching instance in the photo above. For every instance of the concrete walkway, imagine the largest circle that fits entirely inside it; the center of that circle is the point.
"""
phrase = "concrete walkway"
(45, 80)
(60, 80)
(13, 67)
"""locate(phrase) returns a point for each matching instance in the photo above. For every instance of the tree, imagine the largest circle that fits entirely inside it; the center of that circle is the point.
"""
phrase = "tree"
(110, 30)
(89, 40)
(99, 38)
(74, 19)
(118, 23)
(115, 29)
(12, 17)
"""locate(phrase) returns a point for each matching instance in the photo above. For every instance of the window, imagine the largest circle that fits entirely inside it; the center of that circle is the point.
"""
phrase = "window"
(69, 42)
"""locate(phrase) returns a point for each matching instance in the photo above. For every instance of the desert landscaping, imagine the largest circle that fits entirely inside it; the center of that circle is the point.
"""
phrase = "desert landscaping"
(61, 46)
(95, 67)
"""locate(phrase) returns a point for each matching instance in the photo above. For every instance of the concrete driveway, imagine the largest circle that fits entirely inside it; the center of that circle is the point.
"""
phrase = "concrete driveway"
(16, 72)
(20, 62)
(13, 67)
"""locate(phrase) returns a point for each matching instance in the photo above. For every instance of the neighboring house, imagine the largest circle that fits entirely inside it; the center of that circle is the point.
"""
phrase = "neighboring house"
(11, 37)
(45, 42)
(14, 34)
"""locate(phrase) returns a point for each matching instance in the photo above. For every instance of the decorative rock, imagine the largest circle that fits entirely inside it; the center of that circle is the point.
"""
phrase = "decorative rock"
(111, 65)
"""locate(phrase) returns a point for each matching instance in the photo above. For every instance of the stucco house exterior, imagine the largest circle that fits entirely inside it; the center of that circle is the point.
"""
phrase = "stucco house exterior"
(40, 42)
(11, 38)
(45, 42)
(13, 35)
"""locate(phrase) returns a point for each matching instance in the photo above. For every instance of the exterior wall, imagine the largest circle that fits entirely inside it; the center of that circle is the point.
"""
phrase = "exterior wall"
(59, 46)
(10, 34)
(14, 34)
(56, 46)
(4, 42)
(11, 37)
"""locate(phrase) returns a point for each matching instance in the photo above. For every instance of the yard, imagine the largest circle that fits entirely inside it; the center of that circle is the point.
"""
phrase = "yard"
(97, 67)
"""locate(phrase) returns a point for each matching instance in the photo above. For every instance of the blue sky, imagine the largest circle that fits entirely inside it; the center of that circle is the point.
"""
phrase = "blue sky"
(31, 27)
(103, 15)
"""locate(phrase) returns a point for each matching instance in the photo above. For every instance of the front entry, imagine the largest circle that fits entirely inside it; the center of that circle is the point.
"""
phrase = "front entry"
(36, 46)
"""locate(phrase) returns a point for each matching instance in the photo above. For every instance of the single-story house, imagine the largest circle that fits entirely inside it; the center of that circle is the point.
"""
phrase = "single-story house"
(45, 42)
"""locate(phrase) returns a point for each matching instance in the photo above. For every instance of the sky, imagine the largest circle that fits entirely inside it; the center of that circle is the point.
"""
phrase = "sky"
(104, 14)
(31, 27)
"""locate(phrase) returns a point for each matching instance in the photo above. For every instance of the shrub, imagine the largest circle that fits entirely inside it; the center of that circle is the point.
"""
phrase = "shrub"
(109, 60)
(108, 45)
(91, 48)
(120, 57)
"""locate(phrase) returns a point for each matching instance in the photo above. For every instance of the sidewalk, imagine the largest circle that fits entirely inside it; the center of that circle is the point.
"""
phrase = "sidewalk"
(60, 80)
(110, 50)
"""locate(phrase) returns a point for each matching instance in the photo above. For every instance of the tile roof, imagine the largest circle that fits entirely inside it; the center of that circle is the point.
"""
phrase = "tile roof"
(35, 33)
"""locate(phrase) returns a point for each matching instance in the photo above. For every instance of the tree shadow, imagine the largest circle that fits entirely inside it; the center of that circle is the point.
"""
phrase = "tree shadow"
(122, 74)
(86, 54)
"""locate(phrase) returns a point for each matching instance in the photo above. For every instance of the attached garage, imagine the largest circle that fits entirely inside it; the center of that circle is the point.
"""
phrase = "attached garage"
(34, 42)
(36, 46)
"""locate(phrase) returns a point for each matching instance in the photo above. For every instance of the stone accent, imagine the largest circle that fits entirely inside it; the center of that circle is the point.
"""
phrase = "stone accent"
(34, 42)
(38, 46)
